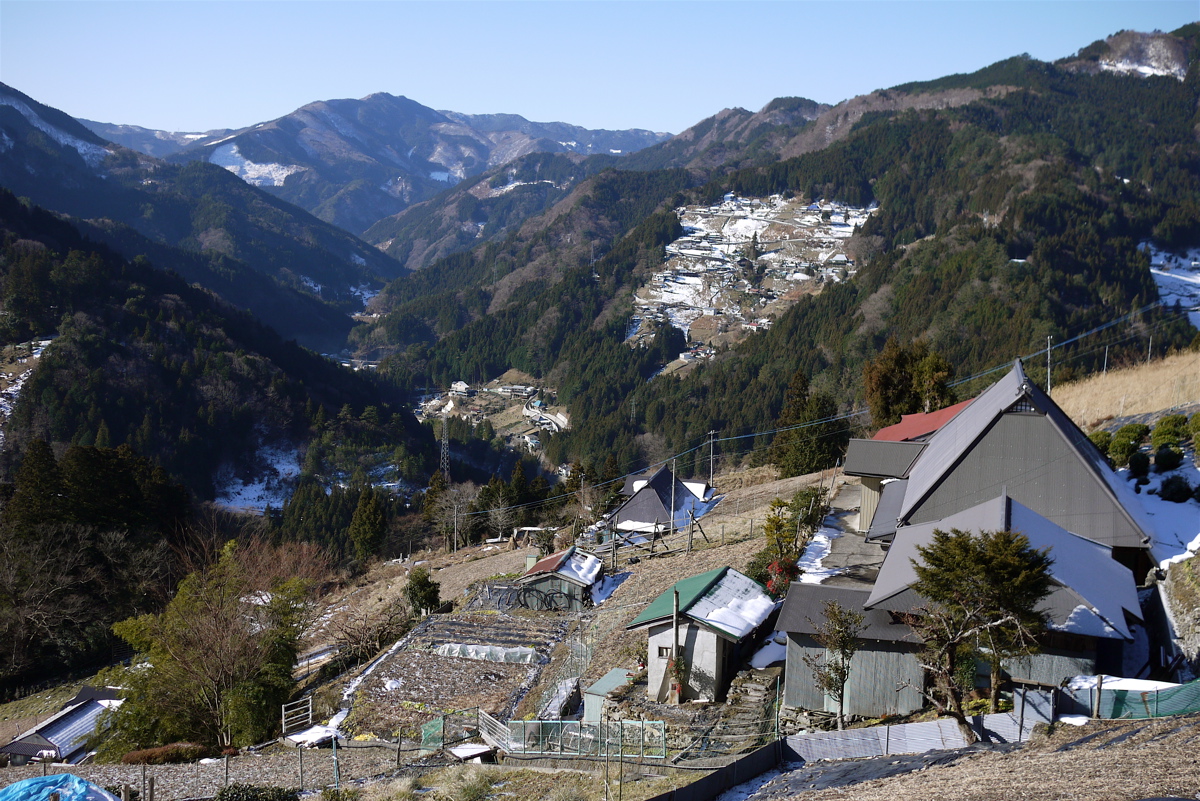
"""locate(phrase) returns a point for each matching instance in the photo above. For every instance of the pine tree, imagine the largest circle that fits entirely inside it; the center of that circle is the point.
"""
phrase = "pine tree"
(812, 441)
(38, 495)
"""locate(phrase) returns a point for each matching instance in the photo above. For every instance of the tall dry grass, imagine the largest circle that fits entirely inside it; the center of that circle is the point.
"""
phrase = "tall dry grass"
(1162, 384)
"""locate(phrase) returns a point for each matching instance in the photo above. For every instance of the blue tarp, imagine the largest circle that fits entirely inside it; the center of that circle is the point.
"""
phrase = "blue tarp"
(68, 787)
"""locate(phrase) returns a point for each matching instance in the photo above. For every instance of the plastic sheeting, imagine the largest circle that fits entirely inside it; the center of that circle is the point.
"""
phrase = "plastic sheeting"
(488, 653)
(68, 786)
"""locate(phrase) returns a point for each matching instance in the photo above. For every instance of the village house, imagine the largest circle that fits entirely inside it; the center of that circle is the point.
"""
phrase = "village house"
(701, 624)
(659, 502)
(1009, 459)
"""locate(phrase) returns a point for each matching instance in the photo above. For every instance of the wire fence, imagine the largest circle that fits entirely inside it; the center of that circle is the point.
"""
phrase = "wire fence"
(618, 739)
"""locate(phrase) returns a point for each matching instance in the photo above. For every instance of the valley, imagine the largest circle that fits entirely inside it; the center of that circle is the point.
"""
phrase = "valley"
(414, 413)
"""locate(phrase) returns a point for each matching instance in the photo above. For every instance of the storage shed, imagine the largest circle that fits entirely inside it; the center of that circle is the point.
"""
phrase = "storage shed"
(562, 581)
(718, 611)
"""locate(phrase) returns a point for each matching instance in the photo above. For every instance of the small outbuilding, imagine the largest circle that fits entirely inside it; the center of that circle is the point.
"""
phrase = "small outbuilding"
(562, 581)
(63, 737)
(702, 623)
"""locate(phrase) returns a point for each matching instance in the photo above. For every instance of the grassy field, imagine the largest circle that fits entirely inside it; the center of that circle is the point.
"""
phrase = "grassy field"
(1162, 384)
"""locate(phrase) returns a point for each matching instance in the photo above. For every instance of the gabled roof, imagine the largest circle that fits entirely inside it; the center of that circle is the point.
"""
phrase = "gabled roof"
(868, 457)
(804, 610)
(954, 439)
(1085, 572)
(724, 600)
(919, 426)
(650, 504)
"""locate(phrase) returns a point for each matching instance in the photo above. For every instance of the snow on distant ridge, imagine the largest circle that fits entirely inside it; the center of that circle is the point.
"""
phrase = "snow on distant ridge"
(92, 154)
(227, 156)
(1144, 70)
(1178, 278)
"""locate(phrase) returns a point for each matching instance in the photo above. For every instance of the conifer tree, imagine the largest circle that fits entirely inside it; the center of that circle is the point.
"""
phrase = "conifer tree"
(368, 525)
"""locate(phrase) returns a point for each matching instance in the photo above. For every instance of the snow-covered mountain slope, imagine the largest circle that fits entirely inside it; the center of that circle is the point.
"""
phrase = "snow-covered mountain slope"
(355, 162)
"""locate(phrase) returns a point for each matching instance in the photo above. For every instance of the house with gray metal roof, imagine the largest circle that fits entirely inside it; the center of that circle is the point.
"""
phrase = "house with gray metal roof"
(659, 501)
(701, 620)
(1011, 439)
(561, 581)
(62, 737)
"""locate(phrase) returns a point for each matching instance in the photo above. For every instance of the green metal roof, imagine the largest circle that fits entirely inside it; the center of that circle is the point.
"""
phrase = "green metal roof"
(690, 590)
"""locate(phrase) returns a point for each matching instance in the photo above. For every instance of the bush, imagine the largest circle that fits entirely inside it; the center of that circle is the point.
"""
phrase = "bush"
(1101, 439)
(1194, 425)
(758, 568)
(1139, 464)
(1171, 430)
(169, 754)
(1135, 432)
(1167, 458)
(1176, 489)
(255, 792)
(343, 794)
(1120, 450)
(422, 591)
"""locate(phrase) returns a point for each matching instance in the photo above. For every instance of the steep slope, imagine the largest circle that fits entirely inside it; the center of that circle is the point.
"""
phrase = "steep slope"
(139, 357)
(1012, 204)
(355, 162)
(58, 163)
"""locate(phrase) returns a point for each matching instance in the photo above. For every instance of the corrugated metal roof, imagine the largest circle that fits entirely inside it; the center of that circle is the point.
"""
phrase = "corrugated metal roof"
(868, 457)
(947, 447)
(887, 511)
(804, 610)
(914, 426)
(723, 599)
(689, 590)
(551, 563)
(617, 677)
(1083, 567)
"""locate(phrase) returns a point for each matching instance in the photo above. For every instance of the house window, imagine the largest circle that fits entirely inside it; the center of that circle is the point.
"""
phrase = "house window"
(664, 652)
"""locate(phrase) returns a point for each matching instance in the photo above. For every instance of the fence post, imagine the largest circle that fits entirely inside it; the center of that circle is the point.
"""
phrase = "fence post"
(337, 774)
(150, 788)
(226, 771)
(300, 759)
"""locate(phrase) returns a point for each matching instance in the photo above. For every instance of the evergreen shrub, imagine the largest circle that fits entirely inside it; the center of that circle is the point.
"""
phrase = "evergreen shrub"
(1120, 450)
(1139, 464)
(1167, 457)
(1101, 439)
(1176, 489)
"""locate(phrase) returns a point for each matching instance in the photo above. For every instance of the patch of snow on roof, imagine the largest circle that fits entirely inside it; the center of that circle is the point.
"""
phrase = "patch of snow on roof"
(583, 567)
(227, 156)
(1084, 620)
(735, 604)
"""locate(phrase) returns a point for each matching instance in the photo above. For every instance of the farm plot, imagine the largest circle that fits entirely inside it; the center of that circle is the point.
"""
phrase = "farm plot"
(417, 682)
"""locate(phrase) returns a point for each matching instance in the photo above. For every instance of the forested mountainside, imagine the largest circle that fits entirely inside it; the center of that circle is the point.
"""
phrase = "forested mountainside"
(141, 358)
(355, 162)
(483, 209)
(61, 165)
(1014, 215)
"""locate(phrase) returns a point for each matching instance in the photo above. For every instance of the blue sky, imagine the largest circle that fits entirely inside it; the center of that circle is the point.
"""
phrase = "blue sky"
(192, 66)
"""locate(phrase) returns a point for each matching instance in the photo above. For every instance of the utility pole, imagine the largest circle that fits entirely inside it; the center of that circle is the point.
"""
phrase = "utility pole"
(1106, 359)
(672, 497)
(1048, 341)
(711, 459)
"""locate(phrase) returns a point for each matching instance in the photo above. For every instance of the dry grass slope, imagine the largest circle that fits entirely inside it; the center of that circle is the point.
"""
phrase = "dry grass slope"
(1163, 384)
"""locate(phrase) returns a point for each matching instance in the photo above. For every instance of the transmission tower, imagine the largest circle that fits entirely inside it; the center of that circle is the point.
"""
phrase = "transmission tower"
(445, 447)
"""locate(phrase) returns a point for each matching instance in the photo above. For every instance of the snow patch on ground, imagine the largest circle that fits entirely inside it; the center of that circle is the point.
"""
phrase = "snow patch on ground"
(1176, 526)
(272, 486)
(92, 154)
(818, 548)
(1143, 70)
(9, 395)
(745, 790)
(769, 654)
(1178, 278)
(364, 292)
(227, 156)
(603, 589)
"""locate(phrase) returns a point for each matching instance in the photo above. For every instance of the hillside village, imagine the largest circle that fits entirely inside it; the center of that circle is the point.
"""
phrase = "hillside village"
(741, 263)
(498, 668)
